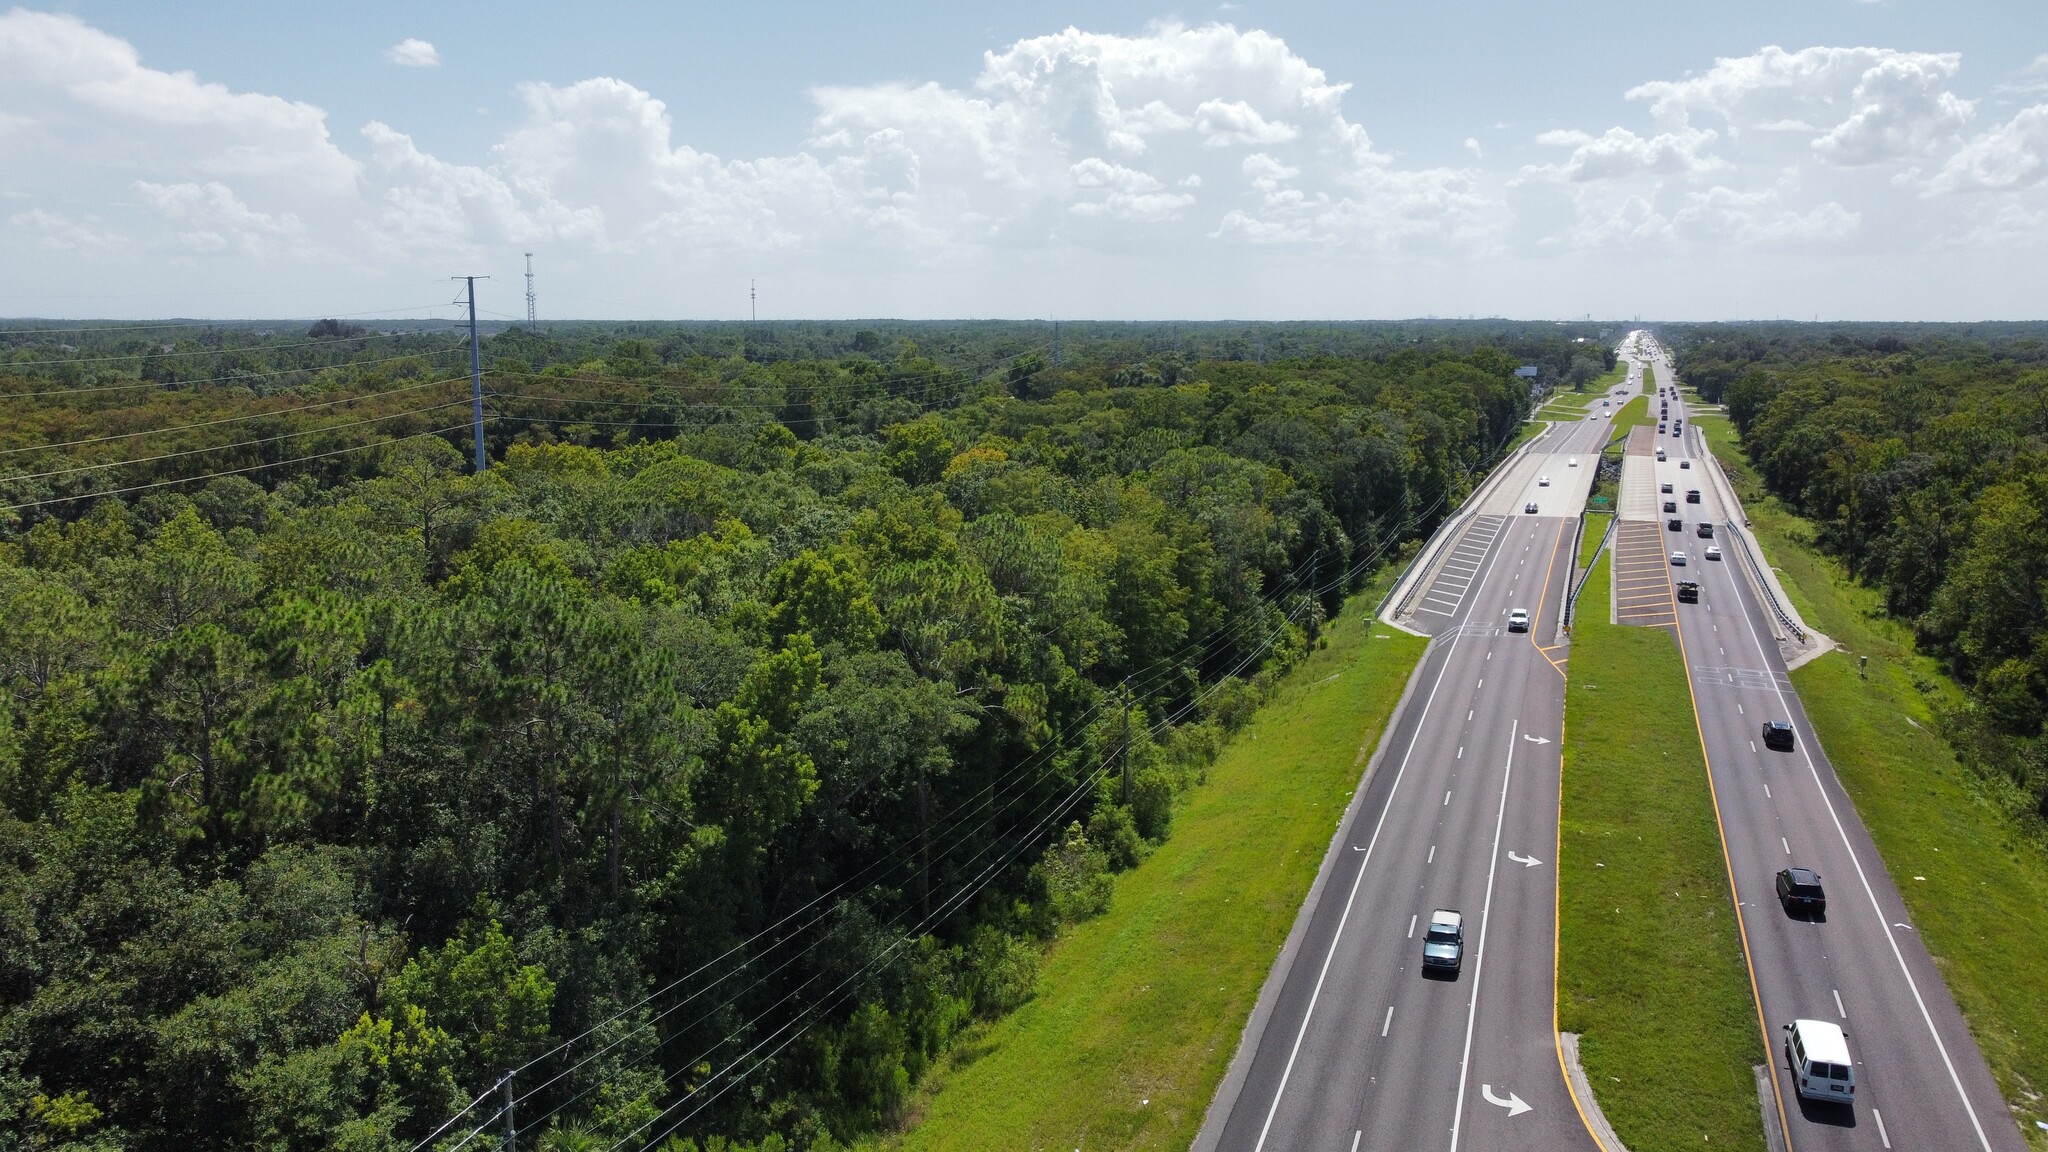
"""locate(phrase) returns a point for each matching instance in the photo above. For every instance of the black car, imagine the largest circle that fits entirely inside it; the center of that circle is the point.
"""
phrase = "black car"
(1688, 592)
(1530, 508)
(1799, 890)
(1664, 487)
(1671, 506)
(1706, 529)
(1675, 524)
(1778, 734)
(1692, 495)
(1685, 463)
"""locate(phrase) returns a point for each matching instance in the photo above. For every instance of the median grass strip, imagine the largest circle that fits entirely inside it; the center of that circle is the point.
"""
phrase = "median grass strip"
(1589, 538)
(1979, 908)
(1138, 1011)
(1650, 964)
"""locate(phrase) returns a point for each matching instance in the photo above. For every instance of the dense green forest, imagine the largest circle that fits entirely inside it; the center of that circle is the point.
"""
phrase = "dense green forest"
(696, 772)
(1922, 454)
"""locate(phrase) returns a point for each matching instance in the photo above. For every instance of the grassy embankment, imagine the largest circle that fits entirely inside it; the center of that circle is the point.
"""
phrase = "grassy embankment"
(1589, 539)
(1138, 1012)
(1650, 964)
(1979, 910)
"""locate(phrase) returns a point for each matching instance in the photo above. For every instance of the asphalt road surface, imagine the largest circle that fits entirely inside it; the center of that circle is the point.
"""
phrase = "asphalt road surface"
(1921, 1082)
(1361, 1050)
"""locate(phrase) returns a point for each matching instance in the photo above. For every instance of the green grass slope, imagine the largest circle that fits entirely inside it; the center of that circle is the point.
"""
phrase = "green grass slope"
(1138, 1012)
(1650, 964)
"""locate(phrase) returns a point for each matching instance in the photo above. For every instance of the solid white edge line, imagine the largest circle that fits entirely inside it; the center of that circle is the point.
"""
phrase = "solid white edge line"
(1926, 1017)
(1485, 917)
(1388, 1023)
(1351, 898)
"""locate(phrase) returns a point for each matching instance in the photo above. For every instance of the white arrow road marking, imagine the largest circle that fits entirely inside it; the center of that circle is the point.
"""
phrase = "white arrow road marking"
(1524, 861)
(1514, 1104)
(1534, 739)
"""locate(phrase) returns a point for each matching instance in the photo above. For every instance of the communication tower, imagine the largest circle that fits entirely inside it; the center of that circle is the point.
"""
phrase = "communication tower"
(529, 289)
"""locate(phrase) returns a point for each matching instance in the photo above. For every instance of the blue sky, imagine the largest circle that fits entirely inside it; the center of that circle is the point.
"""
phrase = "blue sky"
(1029, 159)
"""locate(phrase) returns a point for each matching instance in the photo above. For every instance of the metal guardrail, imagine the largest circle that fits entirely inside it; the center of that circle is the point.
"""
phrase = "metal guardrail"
(1763, 582)
(1410, 566)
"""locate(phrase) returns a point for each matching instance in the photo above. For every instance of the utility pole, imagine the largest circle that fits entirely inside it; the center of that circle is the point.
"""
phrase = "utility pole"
(511, 1127)
(753, 315)
(529, 289)
(476, 376)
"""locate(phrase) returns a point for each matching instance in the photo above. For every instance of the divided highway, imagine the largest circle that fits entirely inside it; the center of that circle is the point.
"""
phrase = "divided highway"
(1920, 1080)
(1354, 1047)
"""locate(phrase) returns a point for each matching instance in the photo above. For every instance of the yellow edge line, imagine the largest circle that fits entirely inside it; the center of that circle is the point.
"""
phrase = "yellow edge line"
(1728, 864)
(1548, 570)
(1557, 940)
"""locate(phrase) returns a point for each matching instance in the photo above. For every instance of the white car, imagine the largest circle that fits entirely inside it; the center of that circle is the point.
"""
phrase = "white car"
(1678, 559)
(1713, 551)
(1573, 462)
(1543, 481)
(1518, 620)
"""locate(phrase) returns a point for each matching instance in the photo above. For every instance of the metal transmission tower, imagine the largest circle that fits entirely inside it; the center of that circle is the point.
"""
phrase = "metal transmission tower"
(476, 374)
(752, 315)
(529, 289)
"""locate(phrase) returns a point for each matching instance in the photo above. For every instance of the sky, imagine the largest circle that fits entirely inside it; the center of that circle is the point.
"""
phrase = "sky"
(1744, 159)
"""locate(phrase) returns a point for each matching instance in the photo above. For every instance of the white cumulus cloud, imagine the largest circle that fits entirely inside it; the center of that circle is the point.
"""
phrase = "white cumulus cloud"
(411, 53)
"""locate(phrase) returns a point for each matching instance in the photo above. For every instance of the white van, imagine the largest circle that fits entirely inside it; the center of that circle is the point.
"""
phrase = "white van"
(1820, 1061)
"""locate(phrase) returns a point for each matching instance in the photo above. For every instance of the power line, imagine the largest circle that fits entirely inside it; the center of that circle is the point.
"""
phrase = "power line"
(230, 471)
(223, 420)
(101, 467)
(235, 378)
(144, 355)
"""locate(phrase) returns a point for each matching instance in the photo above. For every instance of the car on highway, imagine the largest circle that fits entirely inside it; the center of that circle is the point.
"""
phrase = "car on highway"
(1685, 463)
(1571, 462)
(1692, 495)
(1664, 487)
(1800, 891)
(1671, 506)
(1678, 559)
(1543, 481)
(1688, 592)
(1675, 524)
(1443, 946)
(1604, 403)
(1706, 529)
(1713, 551)
(1518, 620)
(1660, 454)
(1660, 429)
(1778, 735)
(1820, 1061)
(1530, 507)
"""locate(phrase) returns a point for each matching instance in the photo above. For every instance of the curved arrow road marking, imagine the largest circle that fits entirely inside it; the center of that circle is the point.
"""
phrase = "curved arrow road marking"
(1514, 1104)
(1534, 739)
(1524, 861)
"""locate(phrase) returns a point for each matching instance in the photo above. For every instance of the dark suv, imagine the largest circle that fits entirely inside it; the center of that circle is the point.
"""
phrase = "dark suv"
(1688, 592)
(1799, 891)
(1778, 734)
(1706, 529)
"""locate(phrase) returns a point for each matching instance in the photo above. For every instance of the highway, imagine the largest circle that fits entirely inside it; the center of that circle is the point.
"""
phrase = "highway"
(1921, 1081)
(1353, 1046)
